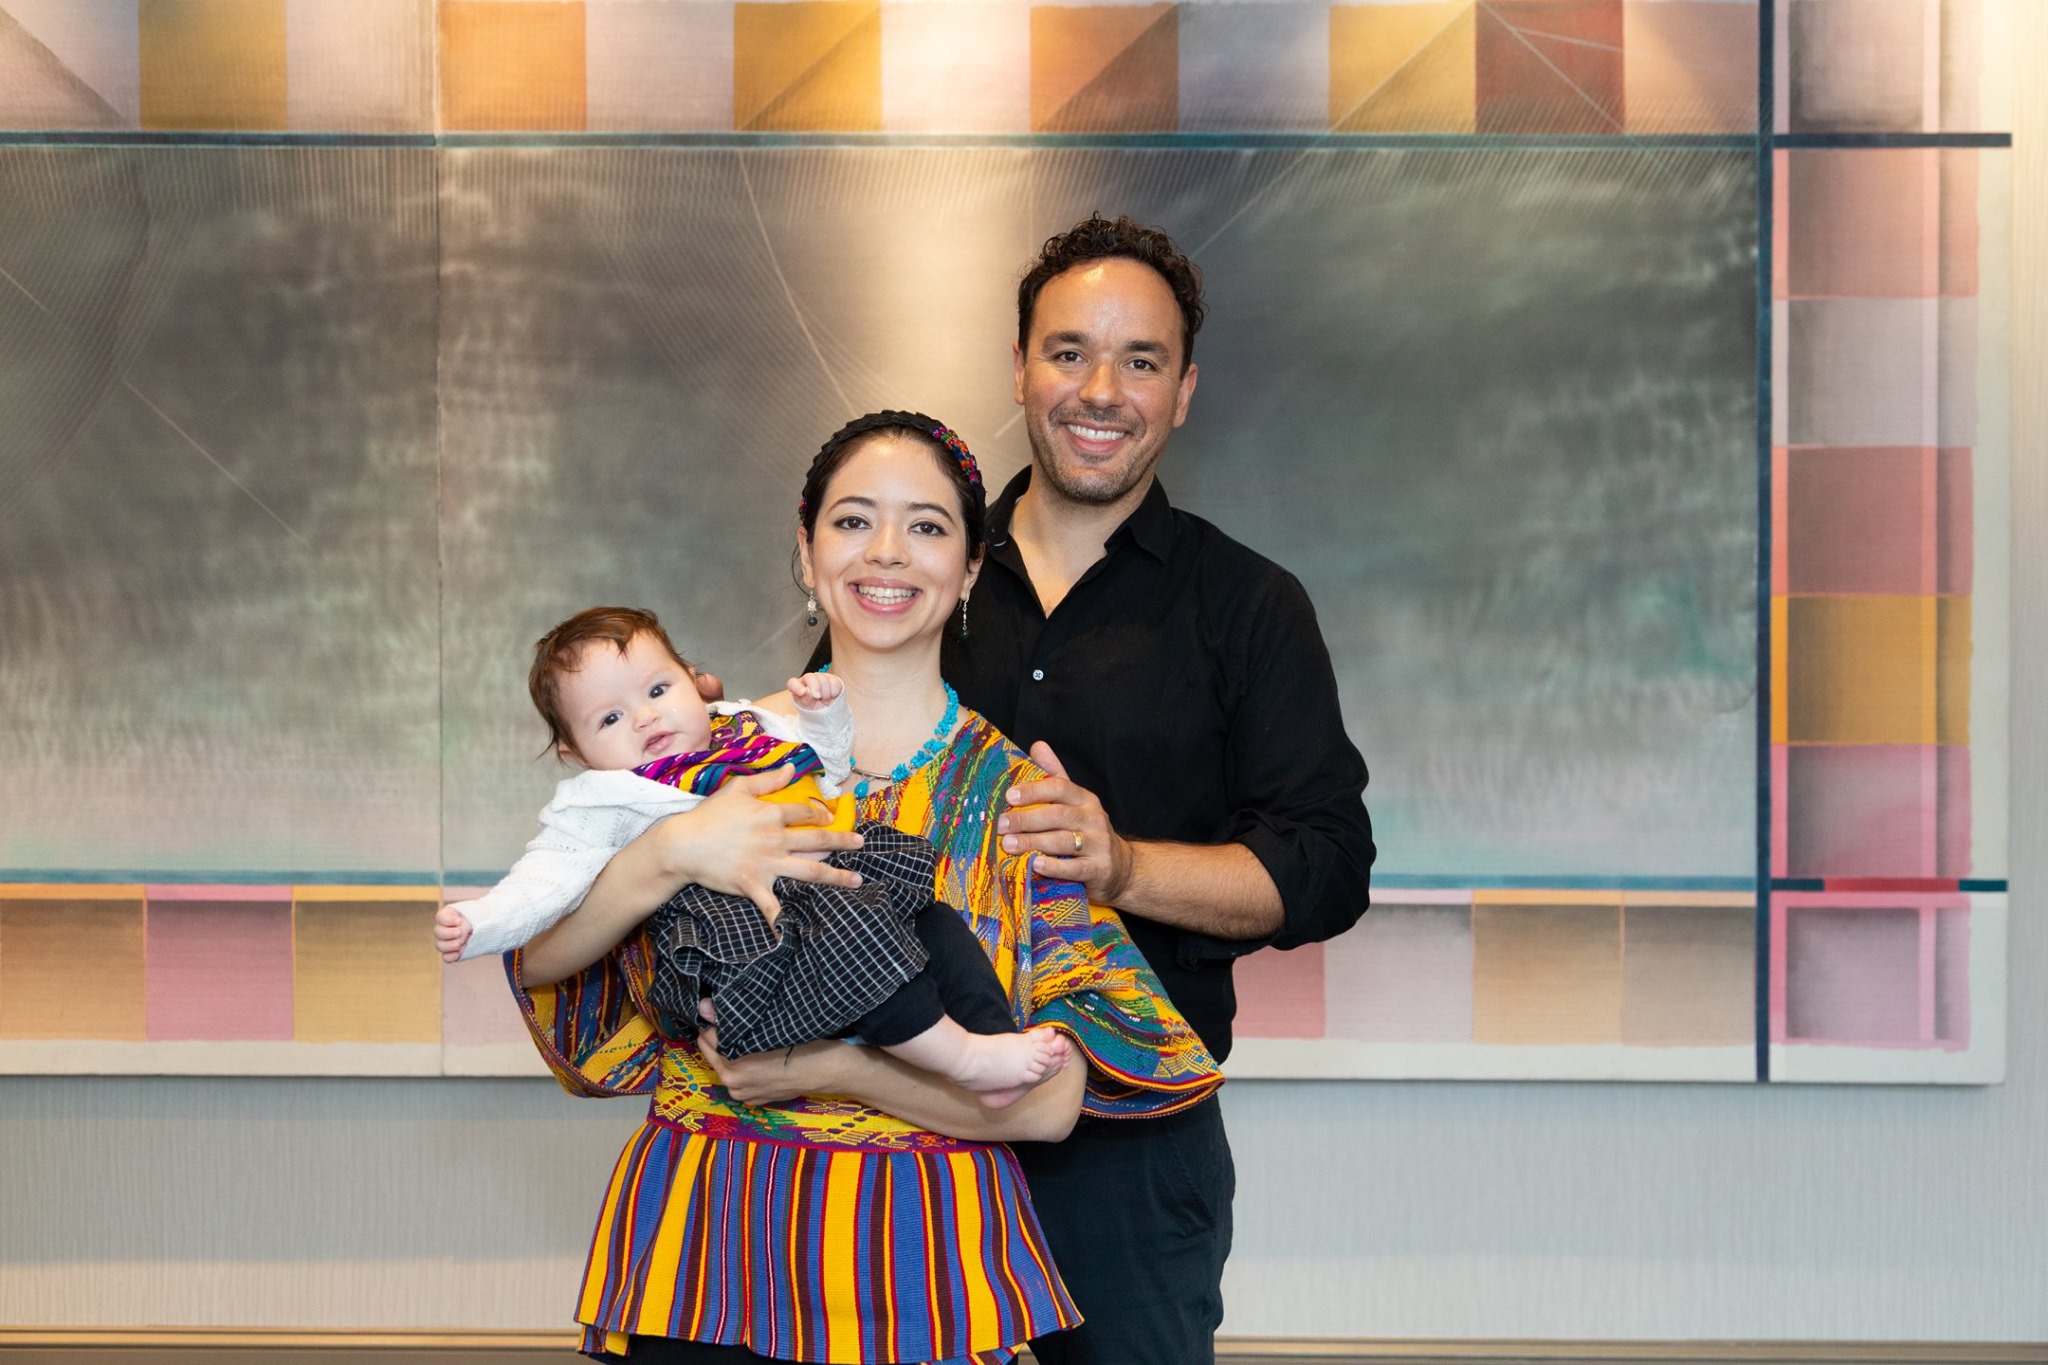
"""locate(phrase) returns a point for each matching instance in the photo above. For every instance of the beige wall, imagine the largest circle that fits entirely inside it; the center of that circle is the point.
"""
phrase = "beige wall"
(1424, 1210)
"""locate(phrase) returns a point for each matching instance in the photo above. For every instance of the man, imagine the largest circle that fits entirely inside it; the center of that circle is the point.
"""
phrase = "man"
(1177, 686)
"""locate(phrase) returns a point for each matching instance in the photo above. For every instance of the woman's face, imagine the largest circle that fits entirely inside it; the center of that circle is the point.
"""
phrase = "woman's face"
(888, 555)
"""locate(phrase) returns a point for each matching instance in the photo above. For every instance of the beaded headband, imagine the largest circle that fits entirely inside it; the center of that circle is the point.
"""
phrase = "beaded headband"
(950, 439)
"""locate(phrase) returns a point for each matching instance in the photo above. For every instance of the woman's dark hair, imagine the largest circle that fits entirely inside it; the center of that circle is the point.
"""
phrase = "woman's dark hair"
(950, 451)
(1096, 239)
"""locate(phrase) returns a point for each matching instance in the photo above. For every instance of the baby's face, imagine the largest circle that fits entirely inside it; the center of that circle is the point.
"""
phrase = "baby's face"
(626, 709)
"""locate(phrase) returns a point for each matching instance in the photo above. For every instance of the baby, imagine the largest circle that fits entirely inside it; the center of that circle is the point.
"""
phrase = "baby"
(621, 702)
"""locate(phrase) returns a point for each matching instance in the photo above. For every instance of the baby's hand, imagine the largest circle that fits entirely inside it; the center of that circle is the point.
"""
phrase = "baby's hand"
(816, 691)
(451, 931)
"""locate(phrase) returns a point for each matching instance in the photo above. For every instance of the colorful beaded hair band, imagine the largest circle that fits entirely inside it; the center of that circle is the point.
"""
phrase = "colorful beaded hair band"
(950, 439)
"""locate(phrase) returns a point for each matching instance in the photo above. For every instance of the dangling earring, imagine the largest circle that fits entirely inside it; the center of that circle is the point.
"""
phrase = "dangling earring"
(963, 618)
(811, 609)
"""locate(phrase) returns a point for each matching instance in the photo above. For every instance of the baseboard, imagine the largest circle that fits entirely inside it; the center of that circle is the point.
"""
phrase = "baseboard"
(191, 1345)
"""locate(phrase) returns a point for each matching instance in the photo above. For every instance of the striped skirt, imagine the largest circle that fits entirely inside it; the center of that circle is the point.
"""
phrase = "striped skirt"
(820, 1253)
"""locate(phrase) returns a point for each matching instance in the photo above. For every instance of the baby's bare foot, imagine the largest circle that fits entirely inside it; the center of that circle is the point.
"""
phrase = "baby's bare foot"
(1003, 1067)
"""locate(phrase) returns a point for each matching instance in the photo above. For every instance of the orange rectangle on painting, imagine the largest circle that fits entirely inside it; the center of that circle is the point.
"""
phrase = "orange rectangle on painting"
(1403, 68)
(807, 66)
(1550, 66)
(509, 65)
(1689, 975)
(1546, 973)
(1105, 69)
(213, 64)
(72, 967)
(1689, 66)
(1861, 670)
(1952, 670)
(365, 972)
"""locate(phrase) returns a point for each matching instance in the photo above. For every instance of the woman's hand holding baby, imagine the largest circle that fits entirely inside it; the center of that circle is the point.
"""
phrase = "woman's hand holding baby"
(739, 845)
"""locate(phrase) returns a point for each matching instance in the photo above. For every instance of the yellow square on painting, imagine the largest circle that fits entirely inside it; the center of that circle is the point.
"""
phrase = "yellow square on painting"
(1545, 972)
(213, 64)
(365, 971)
(72, 966)
(1404, 68)
(512, 66)
(1861, 670)
(807, 66)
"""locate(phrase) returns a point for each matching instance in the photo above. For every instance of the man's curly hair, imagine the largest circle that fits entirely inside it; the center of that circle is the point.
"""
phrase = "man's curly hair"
(1097, 238)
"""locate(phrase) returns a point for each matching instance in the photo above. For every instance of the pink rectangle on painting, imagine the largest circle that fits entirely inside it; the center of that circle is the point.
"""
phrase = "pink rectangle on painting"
(1404, 974)
(1956, 533)
(1280, 995)
(477, 1004)
(218, 894)
(1854, 519)
(1952, 976)
(1852, 975)
(219, 969)
(1952, 782)
(1781, 764)
(1860, 810)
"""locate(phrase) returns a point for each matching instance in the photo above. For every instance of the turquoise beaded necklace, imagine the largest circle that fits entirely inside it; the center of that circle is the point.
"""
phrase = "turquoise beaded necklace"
(930, 750)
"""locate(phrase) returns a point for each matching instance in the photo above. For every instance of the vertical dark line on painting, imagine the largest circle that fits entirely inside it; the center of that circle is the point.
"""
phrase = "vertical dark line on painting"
(435, 160)
(1766, 209)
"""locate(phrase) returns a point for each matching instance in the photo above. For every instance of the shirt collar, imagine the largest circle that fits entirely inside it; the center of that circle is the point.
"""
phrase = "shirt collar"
(1150, 527)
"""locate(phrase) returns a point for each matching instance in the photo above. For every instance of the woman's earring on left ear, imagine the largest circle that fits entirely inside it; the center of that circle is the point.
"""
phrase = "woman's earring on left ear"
(811, 609)
(963, 618)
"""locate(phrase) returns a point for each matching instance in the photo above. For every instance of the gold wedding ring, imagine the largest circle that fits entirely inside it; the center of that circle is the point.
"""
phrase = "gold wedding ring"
(1077, 842)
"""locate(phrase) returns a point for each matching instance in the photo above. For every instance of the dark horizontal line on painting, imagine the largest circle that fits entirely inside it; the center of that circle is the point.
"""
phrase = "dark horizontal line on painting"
(1851, 141)
(1181, 141)
(123, 876)
(109, 138)
(1916, 884)
(1421, 881)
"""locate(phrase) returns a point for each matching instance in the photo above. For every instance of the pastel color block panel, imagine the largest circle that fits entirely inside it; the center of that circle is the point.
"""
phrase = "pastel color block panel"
(1404, 68)
(213, 64)
(1880, 372)
(477, 1006)
(1881, 222)
(1878, 670)
(70, 64)
(1875, 811)
(1886, 520)
(658, 66)
(1874, 970)
(366, 969)
(72, 962)
(1689, 66)
(1688, 974)
(1546, 971)
(1404, 974)
(1254, 67)
(1105, 68)
(808, 65)
(1280, 995)
(512, 64)
(220, 968)
(360, 65)
(1551, 66)
(950, 68)
(1885, 66)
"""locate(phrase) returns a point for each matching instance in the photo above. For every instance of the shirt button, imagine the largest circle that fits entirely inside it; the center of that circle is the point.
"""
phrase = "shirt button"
(1038, 675)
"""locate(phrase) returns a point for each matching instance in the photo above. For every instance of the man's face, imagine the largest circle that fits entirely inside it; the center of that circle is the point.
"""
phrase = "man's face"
(1101, 380)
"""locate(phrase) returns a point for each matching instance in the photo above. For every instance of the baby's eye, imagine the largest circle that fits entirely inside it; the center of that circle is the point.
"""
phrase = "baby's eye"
(658, 689)
(607, 718)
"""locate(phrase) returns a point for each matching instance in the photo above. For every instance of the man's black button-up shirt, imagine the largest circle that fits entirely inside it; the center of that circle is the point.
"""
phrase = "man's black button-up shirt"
(1185, 682)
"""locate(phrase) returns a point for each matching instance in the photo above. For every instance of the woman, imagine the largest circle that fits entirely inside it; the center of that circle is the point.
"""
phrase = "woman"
(867, 1219)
